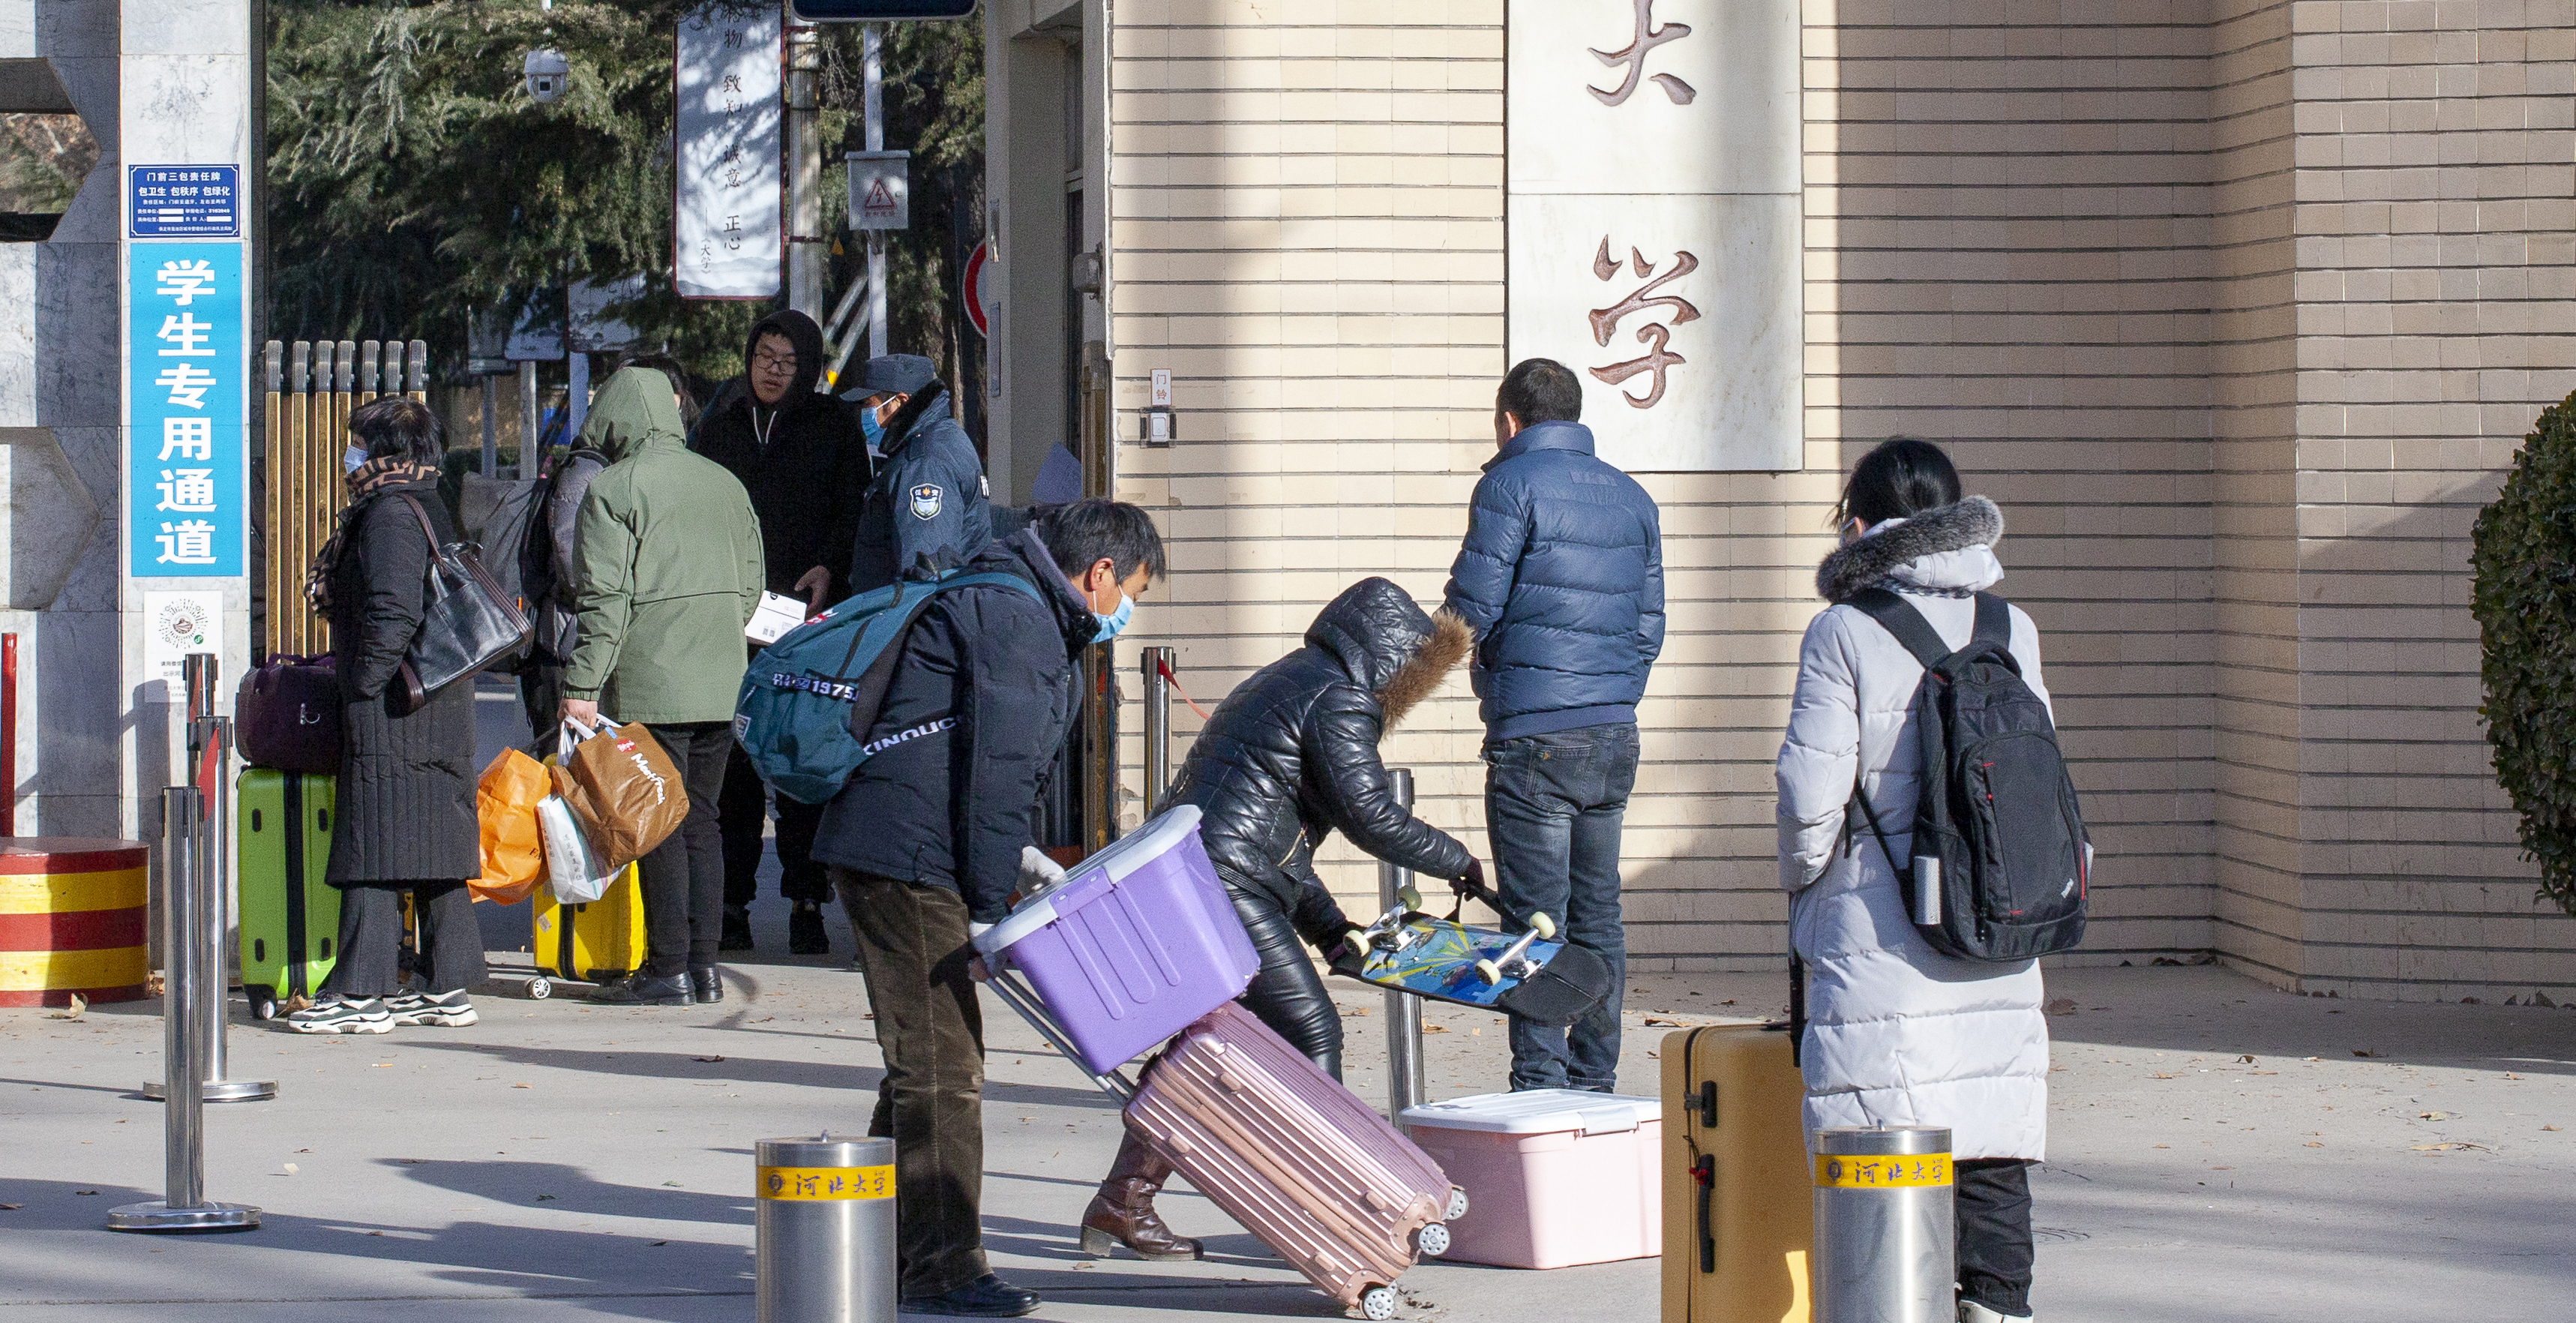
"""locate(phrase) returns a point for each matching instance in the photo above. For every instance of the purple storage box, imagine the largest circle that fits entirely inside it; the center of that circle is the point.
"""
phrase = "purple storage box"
(1133, 945)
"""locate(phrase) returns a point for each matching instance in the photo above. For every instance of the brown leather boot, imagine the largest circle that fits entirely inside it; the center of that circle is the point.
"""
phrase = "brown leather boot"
(1123, 1212)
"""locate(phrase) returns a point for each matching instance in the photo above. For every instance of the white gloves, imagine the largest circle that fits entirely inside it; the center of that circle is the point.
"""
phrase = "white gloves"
(1036, 870)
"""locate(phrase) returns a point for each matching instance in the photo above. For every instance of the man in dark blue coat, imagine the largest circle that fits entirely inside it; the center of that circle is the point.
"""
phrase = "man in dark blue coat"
(925, 842)
(927, 500)
(1562, 580)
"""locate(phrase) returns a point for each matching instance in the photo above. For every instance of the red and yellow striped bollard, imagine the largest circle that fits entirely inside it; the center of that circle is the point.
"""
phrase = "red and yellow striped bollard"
(73, 919)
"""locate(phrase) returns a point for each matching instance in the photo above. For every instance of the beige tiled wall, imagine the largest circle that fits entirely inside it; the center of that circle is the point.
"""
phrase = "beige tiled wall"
(2170, 279)
(2432, 155)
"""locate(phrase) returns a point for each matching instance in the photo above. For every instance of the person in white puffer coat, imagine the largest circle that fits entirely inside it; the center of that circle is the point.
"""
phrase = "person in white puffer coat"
(1899, 1034)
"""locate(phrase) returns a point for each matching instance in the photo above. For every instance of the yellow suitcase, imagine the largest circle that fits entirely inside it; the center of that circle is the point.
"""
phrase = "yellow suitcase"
(1738, 1196)
(597, 942)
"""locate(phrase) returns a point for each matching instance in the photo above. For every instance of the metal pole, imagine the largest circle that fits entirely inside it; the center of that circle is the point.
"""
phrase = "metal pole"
(824, 1230)
(1885, 1238)
(9, 729)
(527, 420)
(188, 946)
(1406, 1082)
(806, 250)
(1158, 726)
(873, 87)
(577, 399)
(491, 427)
(210, 740)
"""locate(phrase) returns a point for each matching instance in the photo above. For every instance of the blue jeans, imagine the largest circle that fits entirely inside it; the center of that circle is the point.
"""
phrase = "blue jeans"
(1553, 804)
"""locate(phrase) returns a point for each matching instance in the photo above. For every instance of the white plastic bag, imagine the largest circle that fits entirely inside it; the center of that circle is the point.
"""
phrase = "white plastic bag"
(571, 868)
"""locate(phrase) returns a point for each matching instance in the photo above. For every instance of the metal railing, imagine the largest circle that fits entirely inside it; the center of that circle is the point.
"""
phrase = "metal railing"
(312, 387)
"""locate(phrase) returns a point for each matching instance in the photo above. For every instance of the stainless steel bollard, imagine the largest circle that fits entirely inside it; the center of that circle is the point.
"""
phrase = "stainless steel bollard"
(825, 1230)
(1407, 1085)
(189, 960)
(1157, 666)
(1886, 1235)
(210, 748)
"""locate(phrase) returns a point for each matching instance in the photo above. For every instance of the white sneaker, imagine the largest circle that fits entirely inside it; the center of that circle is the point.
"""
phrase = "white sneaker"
(1972, 1312)
(335, 1014)
(449, 1010)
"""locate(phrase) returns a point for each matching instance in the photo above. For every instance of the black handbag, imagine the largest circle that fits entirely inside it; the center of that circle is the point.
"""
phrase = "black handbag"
(467, 622)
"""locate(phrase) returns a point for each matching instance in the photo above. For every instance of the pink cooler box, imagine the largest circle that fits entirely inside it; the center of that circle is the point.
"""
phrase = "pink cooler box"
(1133, 945)
(1554, 1177)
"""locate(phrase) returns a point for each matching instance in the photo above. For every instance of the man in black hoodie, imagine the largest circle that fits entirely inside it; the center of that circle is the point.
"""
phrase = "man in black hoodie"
(801, 455)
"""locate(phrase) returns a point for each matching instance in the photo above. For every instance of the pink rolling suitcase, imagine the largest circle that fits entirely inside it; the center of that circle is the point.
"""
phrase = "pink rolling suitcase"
(1285, 1150)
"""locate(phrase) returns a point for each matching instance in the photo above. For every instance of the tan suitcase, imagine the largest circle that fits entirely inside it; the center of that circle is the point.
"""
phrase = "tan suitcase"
(1738, 1196)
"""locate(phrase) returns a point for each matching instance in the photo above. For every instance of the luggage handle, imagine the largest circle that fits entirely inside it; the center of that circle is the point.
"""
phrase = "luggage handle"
(1006, 984)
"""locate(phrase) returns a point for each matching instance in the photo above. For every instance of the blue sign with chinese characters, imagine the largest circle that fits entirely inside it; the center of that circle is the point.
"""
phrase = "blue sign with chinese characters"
(183, 201)
(187, 499)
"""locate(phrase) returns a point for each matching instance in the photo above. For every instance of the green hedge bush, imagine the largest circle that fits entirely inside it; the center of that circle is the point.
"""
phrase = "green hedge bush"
(2523, 558)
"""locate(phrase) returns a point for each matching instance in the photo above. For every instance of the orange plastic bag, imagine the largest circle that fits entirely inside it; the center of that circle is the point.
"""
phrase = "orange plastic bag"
(505, 803)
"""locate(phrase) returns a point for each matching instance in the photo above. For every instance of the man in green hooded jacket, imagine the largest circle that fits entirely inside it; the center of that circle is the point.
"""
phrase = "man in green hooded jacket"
(671, 569)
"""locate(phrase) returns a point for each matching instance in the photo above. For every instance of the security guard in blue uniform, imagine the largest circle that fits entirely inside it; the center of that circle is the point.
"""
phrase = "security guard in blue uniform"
(927, 505)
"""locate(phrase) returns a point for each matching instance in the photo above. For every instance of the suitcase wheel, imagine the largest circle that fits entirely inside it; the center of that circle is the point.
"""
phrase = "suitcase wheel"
(540, 988)
(1378, 1302)
(263, 1001)
(1457, 1204)
(1432, 1240)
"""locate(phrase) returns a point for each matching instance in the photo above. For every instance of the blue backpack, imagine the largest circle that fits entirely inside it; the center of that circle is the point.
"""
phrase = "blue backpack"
(809, 698)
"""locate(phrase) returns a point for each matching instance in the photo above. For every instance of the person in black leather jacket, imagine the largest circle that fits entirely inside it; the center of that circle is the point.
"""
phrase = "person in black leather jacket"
(1290, 757)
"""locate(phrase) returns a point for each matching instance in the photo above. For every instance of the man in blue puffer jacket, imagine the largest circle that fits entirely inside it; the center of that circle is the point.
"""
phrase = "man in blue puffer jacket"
(1562, 579)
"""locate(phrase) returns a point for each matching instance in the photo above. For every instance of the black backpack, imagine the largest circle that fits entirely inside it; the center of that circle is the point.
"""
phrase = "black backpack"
(2001, 859)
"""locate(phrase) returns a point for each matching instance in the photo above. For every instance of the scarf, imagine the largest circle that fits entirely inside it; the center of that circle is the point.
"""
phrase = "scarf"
(371, 477)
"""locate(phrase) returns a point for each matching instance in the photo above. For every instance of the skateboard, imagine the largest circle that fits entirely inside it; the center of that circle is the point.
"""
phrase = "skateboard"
(1446, 960)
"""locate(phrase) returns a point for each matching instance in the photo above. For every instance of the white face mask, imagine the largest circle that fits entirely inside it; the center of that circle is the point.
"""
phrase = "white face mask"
(351, 458)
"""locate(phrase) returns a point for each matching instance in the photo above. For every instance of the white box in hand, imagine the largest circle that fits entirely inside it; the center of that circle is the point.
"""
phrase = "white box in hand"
(778, 614)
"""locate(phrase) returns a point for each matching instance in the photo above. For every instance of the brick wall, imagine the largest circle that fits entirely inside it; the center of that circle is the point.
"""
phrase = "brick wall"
(2434, 157)
(2177, 282)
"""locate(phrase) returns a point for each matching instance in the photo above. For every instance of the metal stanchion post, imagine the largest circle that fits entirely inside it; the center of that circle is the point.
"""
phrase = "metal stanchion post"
(1406, 1082)
(210, 746)
(1885, 1239)
(824, 1230)
(189, 967)
(1158, 727)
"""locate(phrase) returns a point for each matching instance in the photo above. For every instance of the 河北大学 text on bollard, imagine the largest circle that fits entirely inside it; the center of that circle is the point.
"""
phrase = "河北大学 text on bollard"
(825, 1230)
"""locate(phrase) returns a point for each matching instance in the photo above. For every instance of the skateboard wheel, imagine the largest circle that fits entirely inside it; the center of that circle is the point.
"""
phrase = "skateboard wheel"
(1489, 971)
(1378, 1302)
(1457, 1204)
(1409, 897)
(1432, 1240)
(540, 988)
(1544, 926)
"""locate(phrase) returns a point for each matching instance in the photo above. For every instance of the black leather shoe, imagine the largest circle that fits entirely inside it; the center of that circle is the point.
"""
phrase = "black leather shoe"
(805, 935)
(737, 930)
(987, 1296)
(642, 989)
(706, 986)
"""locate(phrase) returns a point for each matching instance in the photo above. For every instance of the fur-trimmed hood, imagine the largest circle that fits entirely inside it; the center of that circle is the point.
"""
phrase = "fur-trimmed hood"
(1420, 676)
(1388, 645)
(1947, 548)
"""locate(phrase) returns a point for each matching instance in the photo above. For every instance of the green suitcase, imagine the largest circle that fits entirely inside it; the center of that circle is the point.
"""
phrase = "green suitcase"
(290, 918)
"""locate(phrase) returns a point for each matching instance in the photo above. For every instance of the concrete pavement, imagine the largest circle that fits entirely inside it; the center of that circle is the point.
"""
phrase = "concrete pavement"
(561, 1161)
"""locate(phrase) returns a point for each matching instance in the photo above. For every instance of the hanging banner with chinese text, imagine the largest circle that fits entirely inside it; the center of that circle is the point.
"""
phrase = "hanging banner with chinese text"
(1653, 172)
(727, 239)
(187, 499)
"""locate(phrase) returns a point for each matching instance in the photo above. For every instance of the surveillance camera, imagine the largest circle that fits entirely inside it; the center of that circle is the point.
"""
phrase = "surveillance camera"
(547, 73)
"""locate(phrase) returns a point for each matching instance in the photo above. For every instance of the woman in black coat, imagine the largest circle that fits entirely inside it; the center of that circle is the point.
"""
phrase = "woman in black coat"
(403, 817)
(1289, 758)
